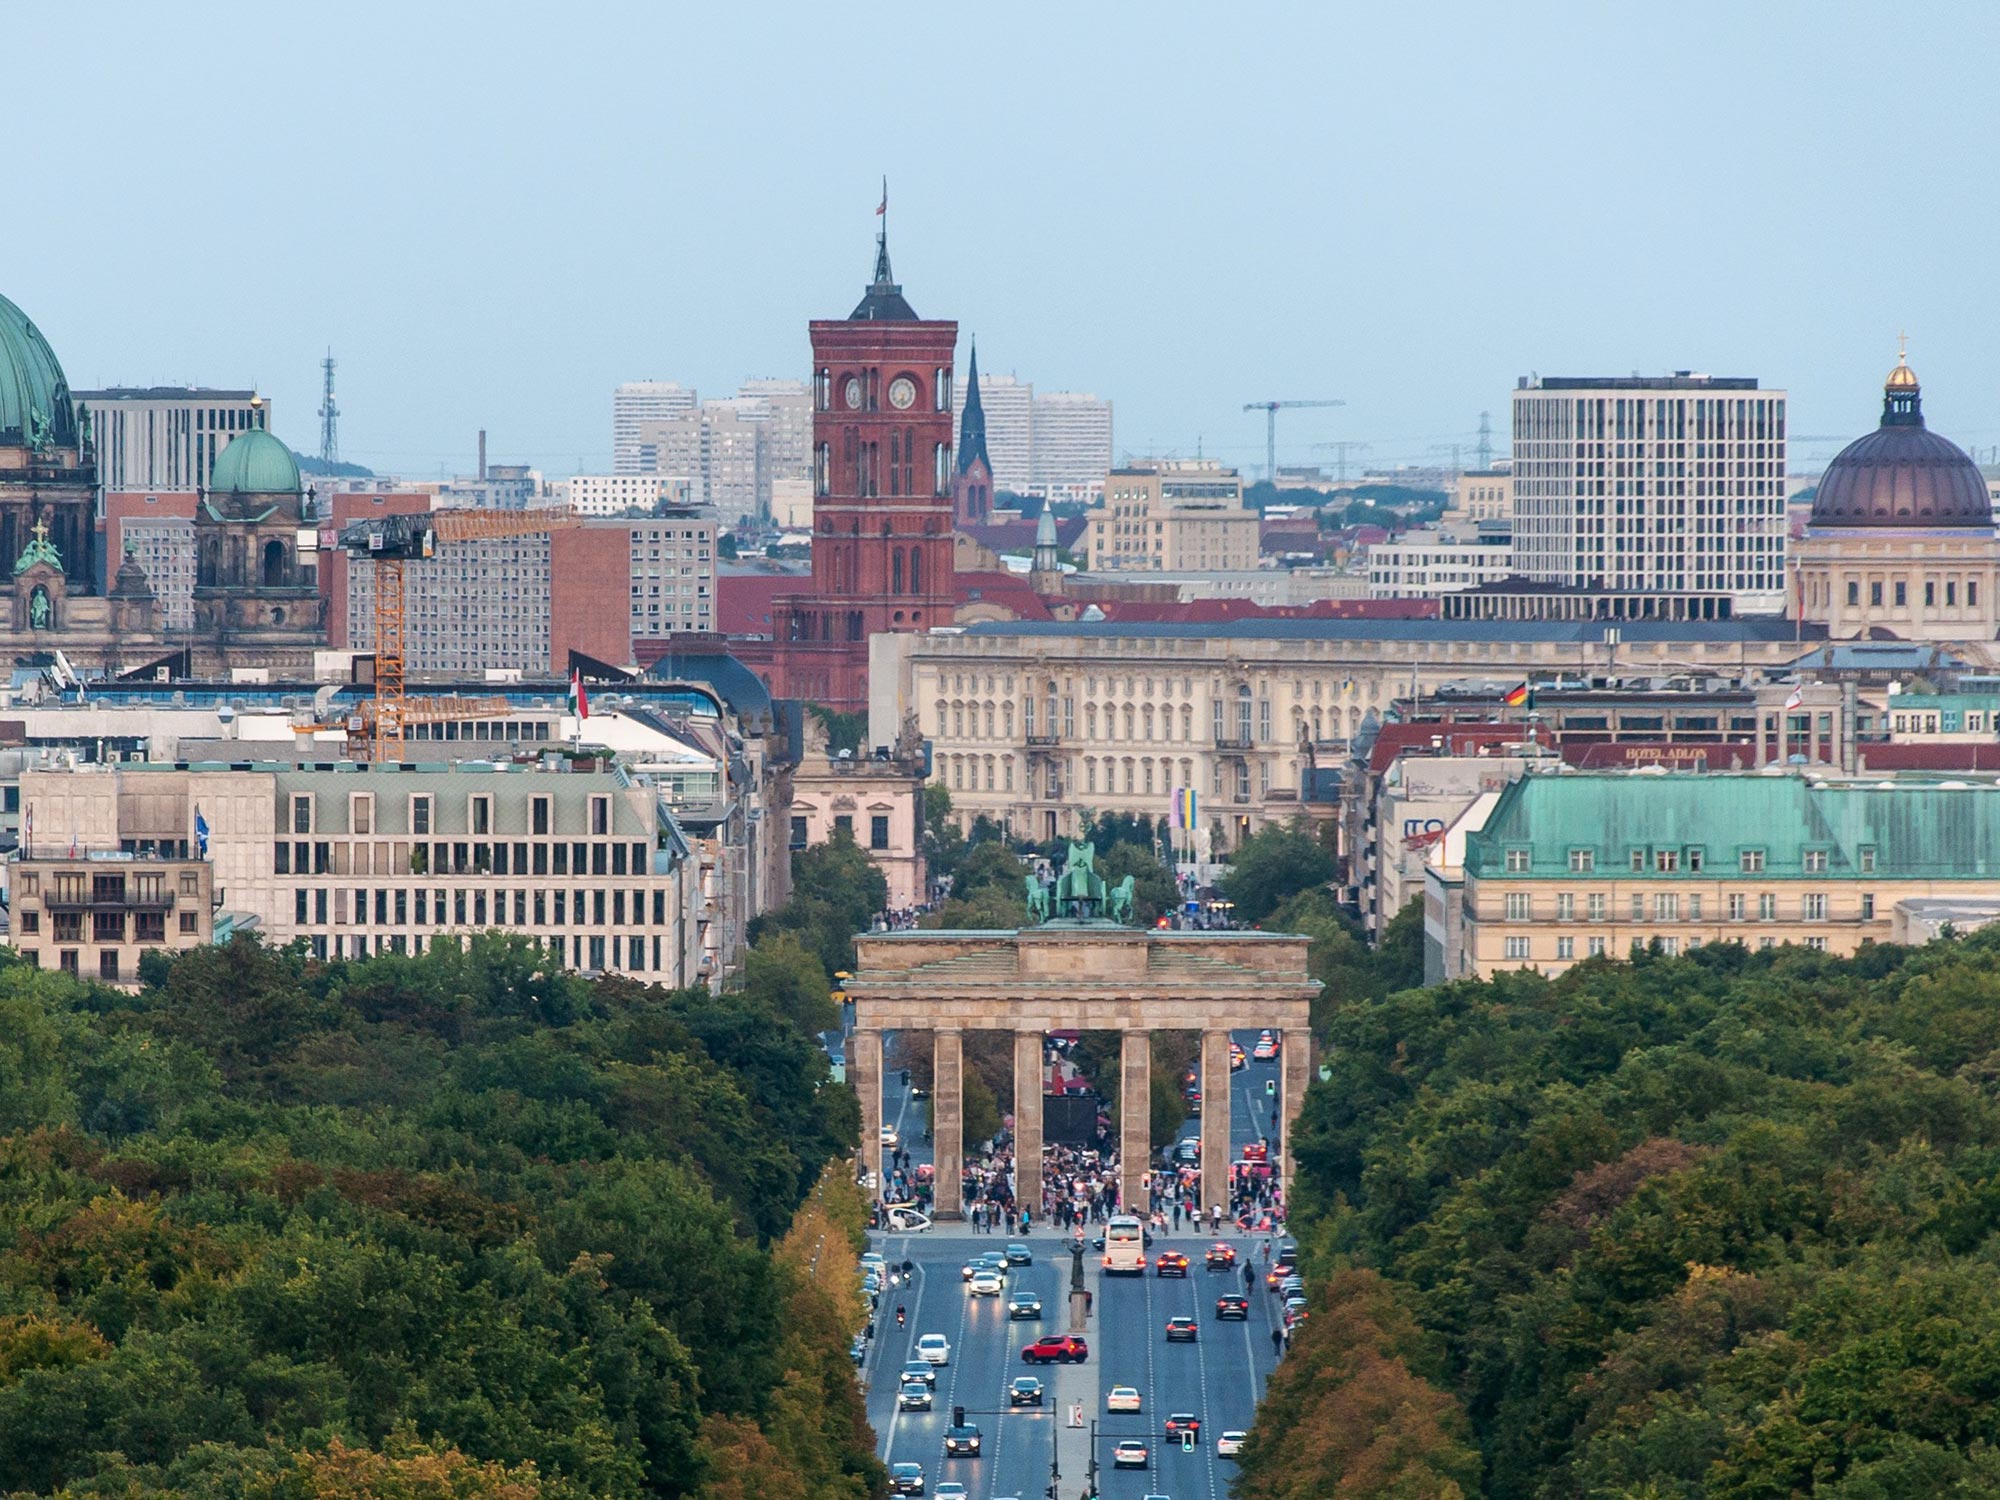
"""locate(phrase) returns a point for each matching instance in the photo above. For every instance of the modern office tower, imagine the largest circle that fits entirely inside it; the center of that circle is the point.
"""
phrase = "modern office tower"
(1669, 486)
(638, 402)
(165, 437)
(1071, 446)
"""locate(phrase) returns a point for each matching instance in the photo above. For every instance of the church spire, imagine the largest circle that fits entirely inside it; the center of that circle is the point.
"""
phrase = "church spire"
(972, 424)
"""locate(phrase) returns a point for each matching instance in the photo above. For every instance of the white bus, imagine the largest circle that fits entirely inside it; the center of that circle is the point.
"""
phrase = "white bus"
(1124, 1247)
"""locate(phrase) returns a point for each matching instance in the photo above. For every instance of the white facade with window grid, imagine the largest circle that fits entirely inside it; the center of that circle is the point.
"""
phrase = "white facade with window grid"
(1667, 485)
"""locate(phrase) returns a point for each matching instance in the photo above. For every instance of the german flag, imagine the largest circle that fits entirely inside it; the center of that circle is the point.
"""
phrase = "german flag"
(1520, 696)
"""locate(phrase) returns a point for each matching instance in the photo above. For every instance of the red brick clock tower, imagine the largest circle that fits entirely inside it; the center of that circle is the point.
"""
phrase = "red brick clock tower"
(882, 494)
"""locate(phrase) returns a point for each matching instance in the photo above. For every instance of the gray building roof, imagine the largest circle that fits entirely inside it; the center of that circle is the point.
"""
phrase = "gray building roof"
(1417, 632)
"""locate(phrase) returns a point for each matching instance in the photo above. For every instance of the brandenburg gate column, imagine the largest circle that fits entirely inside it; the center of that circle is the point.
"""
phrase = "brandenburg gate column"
(948, 1121)
(1135, 1110)
(1294, 1073)
(1028, 1123)
(1215, 1120)
(864, 1071)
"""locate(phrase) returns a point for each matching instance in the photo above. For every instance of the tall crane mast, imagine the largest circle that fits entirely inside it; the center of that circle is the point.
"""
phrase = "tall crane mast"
(390, 542)
(1270, 409)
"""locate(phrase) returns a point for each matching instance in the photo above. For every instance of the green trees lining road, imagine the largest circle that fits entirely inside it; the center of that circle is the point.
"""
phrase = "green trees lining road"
(1717, 1227)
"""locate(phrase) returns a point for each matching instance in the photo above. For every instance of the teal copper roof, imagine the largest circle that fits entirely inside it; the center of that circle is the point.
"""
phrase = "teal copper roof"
(1925, 831)
(255, 463)
(35, 405)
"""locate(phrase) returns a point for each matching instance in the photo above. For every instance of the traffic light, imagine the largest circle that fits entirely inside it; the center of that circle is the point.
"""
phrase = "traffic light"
(1270, 1088)
(958, 1416)
(1187, 1440)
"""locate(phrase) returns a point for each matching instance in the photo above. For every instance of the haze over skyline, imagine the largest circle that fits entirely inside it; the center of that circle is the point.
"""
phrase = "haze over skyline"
(1179, 208)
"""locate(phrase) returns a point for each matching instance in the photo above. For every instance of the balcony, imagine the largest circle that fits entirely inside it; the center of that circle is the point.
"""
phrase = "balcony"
(1044, 741)
(1234, 743)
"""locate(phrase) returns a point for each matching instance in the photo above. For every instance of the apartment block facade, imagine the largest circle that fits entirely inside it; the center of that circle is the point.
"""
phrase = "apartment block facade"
(93, 912)
(1173, 515)
(1652, 485)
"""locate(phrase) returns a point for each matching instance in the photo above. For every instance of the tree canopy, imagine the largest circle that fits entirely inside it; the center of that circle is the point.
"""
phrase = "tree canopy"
(457, 1225)
(1274, 864)
(1715, 1227)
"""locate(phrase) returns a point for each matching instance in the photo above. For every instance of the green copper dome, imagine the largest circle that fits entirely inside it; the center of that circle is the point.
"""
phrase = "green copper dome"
(35, 409)
(255, 463)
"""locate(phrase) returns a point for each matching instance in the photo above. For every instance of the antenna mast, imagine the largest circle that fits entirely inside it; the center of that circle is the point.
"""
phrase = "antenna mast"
(329, 415)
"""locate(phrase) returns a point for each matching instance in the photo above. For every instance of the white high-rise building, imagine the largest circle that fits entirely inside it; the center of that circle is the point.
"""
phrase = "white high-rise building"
(616, 494)
(635, 403)
(1072, 446)
(1056, 446)
(1668, 485)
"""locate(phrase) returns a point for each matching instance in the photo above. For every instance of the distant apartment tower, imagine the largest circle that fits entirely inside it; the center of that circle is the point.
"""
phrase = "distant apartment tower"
(1009, 405)
(1669, 485)
(1072, 446)
(158, 531)
(786, 451)
(524, 603)
(636, 403)
(714, 450)
(1173, 516)
(616, 494)
(165, 437)
(1056, 446)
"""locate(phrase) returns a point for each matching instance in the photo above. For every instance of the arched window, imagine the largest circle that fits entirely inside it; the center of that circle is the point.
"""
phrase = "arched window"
(916, 571)
(940, 716)
(896, 570)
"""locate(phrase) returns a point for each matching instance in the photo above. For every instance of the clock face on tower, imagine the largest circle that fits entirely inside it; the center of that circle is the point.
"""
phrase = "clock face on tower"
(852, 392)
(902, 392)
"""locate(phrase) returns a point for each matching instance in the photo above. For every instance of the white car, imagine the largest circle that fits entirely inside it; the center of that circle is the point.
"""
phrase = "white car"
(934, 1349)
(890, 1140)
(984, 1284)
(1229, 1445)
(1123, 1398)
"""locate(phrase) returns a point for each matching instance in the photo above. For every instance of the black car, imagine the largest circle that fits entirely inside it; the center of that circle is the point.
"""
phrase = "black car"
(1018, 1254)
(1024, 1390)
(1181, 1330)
(906, 1479)
(1233, 1306)
(961, 1441)
(1024, 1307)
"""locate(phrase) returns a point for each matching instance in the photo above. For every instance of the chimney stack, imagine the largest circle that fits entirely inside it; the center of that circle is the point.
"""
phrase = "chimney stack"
(482, 455)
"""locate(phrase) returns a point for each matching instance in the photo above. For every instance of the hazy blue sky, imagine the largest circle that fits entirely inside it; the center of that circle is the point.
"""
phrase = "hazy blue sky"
(494, 213)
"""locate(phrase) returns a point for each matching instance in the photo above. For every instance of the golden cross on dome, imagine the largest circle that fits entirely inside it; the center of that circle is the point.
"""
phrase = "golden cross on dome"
(41, 530)
(1902, 348)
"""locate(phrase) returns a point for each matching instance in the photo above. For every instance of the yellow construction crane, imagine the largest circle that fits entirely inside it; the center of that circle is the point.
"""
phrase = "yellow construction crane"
(390, 542)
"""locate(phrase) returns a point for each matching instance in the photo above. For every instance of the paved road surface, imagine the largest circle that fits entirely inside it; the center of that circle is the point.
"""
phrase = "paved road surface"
(1219, 1377)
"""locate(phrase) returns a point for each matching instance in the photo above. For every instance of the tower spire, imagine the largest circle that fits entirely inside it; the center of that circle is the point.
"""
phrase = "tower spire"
(972, 421)
(882, 274)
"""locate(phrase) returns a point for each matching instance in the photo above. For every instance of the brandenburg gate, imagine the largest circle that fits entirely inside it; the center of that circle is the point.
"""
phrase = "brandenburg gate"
(1085, 973)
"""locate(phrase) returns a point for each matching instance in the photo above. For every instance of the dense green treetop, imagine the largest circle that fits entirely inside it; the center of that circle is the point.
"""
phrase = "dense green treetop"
(452, 1225)
(1718, 1227)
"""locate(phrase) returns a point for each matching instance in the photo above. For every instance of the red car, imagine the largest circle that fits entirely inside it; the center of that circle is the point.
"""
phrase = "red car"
(1056, 1348)
(1279, 1272)
(1172, 1263)
(1220, 1256)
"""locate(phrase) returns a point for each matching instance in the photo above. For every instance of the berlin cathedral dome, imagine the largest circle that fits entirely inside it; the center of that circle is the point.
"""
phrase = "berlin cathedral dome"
(1902, 474)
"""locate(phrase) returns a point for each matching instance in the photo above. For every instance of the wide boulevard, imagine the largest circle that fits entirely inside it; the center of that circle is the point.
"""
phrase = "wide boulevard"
(1218, 1377)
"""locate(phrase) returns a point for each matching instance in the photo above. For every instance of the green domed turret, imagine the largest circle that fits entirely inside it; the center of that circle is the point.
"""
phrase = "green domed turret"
(255, 463)
(35, 408)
